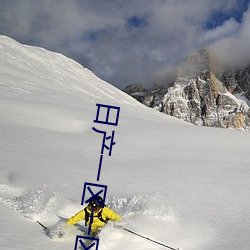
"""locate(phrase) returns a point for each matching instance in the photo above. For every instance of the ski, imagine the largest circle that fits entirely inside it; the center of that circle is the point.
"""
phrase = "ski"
(52, 233)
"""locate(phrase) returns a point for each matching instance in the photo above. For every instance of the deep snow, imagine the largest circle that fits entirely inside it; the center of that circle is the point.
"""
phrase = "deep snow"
(183, 185)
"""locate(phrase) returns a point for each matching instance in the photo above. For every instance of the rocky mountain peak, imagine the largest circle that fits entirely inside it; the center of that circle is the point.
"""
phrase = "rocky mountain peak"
(197, 64)
(200, 96)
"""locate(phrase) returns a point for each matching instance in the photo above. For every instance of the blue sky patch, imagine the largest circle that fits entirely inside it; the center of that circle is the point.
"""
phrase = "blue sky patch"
(136, 21)
(219, 17)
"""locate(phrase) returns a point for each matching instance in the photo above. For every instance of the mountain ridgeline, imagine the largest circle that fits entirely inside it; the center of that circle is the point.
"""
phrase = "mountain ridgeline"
(201, 95)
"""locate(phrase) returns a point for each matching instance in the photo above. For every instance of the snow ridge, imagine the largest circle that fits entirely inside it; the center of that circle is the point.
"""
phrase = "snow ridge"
(183, 185)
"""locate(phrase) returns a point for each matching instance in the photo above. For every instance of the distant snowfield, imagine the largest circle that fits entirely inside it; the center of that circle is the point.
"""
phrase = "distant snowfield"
(176, 183)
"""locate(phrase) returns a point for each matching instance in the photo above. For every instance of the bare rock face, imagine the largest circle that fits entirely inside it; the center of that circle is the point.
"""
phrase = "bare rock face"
(199, 97)
(134, 88)
(137, 91)
(237, 81)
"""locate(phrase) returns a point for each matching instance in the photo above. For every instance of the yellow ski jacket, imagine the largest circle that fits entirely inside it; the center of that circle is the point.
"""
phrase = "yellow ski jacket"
(107, 214)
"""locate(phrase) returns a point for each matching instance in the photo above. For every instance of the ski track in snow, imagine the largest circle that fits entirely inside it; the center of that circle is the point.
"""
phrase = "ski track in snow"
(143, 214)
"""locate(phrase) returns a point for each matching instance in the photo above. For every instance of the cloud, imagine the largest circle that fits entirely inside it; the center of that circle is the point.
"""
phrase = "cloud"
(121, 41)
(232, 50)
(228, 28)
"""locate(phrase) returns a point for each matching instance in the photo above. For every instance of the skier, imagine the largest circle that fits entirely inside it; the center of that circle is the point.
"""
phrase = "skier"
(101, 215)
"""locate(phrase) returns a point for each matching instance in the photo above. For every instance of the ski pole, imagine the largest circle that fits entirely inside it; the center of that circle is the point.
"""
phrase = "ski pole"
(159, 243)
(45, 228)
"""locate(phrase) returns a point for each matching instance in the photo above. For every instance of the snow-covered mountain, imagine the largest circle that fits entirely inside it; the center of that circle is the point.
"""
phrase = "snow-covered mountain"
(237, 81)
(201, 96)
(182, 185)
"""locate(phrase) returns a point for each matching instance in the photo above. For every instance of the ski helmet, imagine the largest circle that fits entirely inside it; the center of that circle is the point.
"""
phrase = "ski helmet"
(96, 202)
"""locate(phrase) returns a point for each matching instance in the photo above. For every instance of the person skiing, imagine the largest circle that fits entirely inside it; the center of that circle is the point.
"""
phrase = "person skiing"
(101, 215)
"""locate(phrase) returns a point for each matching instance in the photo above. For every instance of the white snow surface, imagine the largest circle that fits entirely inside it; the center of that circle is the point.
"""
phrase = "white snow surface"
(182, 185)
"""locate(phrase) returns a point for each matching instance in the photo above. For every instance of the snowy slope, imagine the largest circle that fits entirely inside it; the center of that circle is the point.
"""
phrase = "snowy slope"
(182, 185)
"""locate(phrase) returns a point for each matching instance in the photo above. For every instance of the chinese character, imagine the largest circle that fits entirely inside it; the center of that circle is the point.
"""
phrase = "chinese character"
(101, 189)
(86, 243)
(106, 121)
(106, 138)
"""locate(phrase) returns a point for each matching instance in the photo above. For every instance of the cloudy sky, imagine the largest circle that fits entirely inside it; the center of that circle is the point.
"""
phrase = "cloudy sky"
(131, 41)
